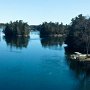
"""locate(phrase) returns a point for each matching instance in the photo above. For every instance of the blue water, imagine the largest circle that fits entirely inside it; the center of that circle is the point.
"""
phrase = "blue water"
(35, 66)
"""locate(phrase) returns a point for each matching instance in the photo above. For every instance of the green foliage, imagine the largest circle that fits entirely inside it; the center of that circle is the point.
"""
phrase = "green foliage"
(79, 34)
(51, 29)
(18, 28)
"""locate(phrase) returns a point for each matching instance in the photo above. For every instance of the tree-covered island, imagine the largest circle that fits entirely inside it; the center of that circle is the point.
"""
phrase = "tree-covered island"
(52, 29)
(77, 33)
(17, 28)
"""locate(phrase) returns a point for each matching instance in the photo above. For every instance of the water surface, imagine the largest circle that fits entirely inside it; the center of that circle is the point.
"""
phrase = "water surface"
(39, 64)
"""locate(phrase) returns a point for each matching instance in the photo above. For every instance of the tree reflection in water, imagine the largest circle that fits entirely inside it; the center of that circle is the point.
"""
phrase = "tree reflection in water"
(52, 42)
(17, 42)
(81, 71)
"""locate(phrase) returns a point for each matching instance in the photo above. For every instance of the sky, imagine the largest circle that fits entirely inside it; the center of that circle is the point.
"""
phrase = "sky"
(37, 11)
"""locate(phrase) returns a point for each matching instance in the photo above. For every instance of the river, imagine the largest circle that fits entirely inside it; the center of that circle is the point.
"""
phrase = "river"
(39, 64)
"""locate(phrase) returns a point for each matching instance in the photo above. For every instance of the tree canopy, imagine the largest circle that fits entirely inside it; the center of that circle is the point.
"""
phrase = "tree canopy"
(78, 38)
(17, 28)
(51, 29)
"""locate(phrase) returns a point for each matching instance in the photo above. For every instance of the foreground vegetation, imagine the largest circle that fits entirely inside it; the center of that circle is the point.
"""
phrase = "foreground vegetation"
(78, 38)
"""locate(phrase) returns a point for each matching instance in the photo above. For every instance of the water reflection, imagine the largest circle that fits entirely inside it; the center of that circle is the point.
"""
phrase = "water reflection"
(52, 42)
(17, 42)
(42, 69)
(81, 71)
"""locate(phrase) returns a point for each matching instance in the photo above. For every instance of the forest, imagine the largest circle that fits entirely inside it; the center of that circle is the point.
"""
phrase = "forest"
(78, 37)
(52, 29)
(17, 28)
(77, 33)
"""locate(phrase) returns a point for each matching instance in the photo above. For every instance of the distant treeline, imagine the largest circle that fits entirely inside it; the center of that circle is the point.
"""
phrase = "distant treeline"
(17, 28)
(34, 27)
(2, 25)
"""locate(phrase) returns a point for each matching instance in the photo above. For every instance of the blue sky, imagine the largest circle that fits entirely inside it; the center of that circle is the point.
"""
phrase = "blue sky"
(38, 11)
